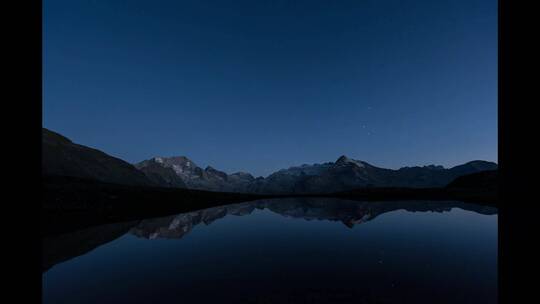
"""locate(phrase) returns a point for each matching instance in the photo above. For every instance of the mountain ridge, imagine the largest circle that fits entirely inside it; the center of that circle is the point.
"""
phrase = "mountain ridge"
(62, 157)
(344, 174)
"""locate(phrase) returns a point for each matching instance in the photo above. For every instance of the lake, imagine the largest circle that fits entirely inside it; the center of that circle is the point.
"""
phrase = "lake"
(297, 250)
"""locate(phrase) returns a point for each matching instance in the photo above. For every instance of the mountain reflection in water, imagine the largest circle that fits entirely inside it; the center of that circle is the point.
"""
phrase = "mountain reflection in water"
(296, 250)
(61, 248)
(350, 213)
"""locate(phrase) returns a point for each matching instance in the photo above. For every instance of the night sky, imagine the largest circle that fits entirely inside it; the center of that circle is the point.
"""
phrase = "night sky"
(262, 85)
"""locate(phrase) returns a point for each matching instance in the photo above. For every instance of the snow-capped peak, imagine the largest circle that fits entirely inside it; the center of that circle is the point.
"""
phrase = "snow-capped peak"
(345, 160)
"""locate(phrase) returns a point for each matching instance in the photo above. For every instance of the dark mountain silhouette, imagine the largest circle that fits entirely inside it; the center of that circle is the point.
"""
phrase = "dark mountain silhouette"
(483, 180)
(59, 248)
(62, 157)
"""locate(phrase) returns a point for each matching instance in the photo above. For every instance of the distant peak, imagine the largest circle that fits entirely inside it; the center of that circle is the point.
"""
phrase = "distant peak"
(344, 160)
(480, 164)
(478, 161)
(179, 158)
(182, 160)
(173, 160)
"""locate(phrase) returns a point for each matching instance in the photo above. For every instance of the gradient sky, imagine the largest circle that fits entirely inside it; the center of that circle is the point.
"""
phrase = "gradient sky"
(262, 85)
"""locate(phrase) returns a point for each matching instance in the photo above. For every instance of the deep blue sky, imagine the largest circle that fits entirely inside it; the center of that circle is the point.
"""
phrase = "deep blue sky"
(262, 85)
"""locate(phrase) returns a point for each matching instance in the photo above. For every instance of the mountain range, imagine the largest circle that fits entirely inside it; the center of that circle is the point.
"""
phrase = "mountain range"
(342, 175)
(63, 157)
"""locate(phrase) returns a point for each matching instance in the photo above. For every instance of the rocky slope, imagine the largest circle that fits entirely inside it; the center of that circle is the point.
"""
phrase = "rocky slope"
(342, 175)
(191, 176)
(62, 157)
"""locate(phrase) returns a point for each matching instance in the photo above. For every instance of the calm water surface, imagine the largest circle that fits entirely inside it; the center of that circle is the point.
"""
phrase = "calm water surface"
(283, 251)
